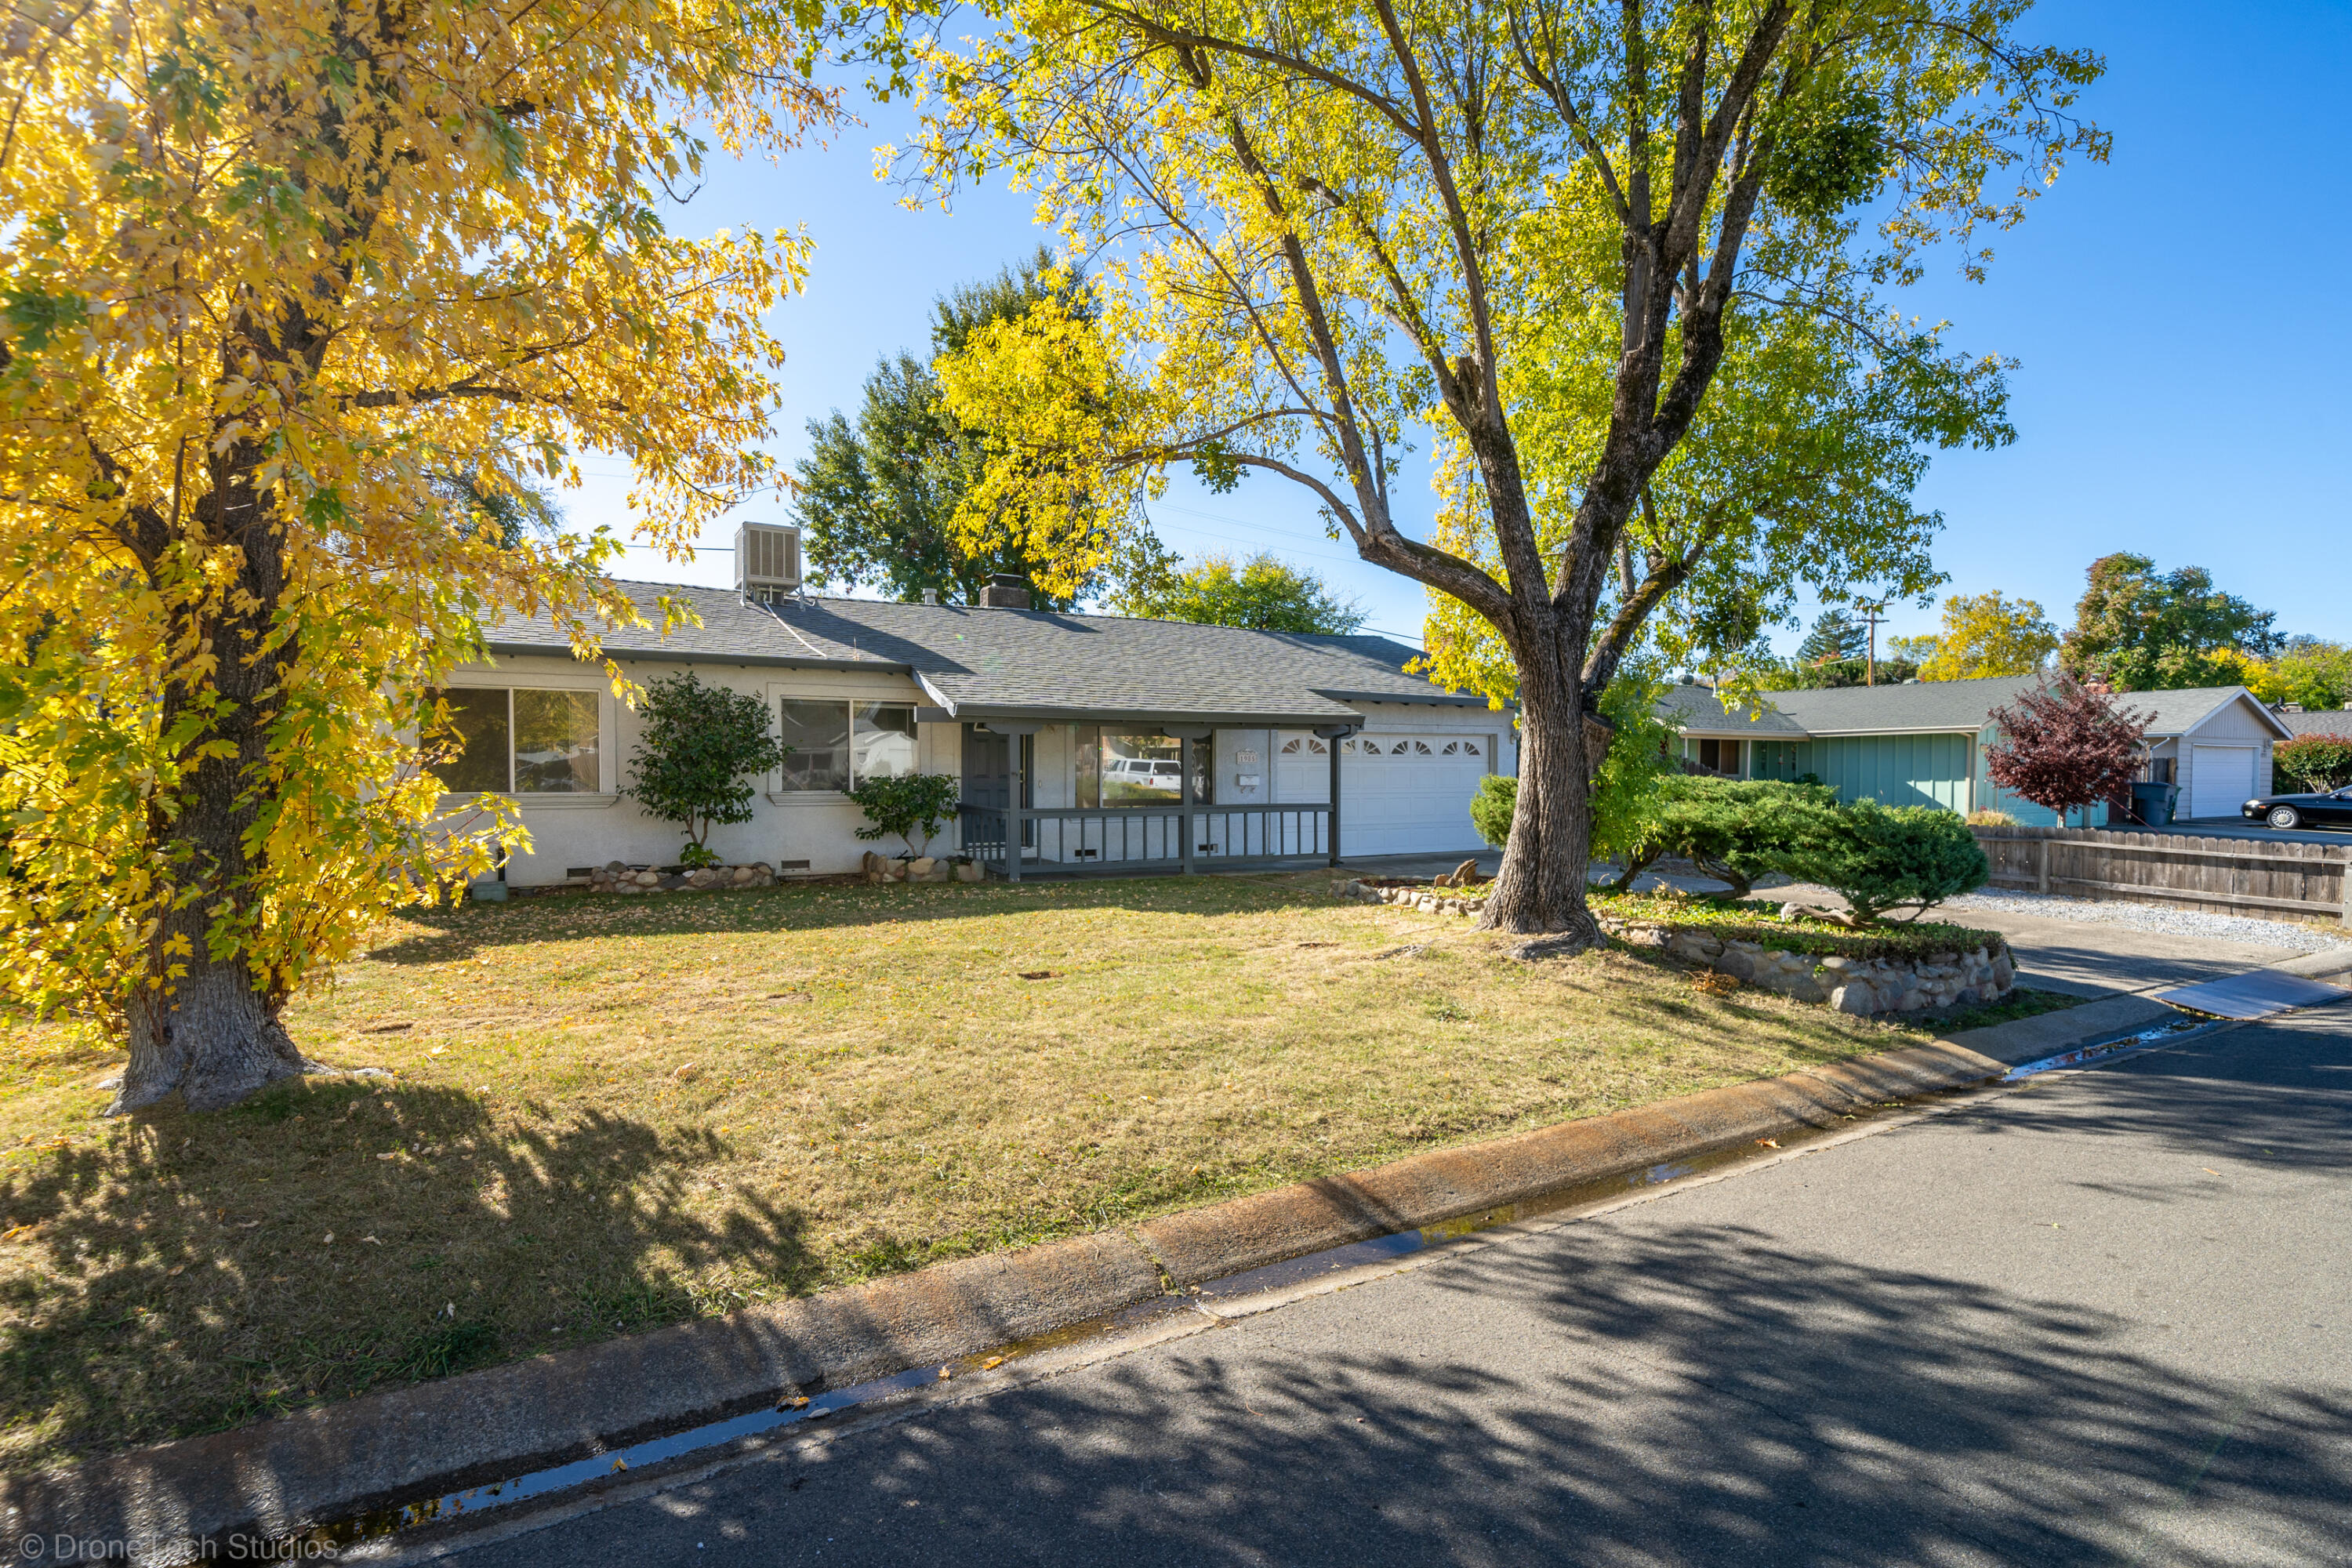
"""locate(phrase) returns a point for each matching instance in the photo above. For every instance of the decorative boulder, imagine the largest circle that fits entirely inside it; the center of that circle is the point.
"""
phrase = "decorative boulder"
(1855, 997)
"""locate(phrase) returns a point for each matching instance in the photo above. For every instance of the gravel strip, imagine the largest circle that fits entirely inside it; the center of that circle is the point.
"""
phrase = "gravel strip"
(2284, 935)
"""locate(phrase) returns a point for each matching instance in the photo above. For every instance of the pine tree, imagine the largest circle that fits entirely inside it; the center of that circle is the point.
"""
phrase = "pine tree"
(1835, 637)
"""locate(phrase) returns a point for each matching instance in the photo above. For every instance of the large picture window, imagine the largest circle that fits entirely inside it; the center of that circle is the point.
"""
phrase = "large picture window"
(1132, 767)
(522, 740)
(818, 734)
(836, 744)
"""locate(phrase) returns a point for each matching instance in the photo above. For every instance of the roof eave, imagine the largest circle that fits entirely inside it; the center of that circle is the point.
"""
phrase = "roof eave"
(1435, 698)
(981, 712)
(684, 656)
(2237, 694)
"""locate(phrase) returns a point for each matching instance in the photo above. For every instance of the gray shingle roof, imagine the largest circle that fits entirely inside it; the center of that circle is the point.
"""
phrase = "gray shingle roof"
(1701, 712)
(2175, 711)
(731, 630)
(2328, 721)
(982, 663)
(1930, 705)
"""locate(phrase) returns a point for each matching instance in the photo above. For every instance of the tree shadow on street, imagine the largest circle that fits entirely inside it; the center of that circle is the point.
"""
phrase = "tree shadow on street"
(1702, 1395)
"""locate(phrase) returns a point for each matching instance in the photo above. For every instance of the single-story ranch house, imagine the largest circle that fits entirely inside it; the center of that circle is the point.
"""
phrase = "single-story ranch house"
(1089, 741)
(1923, 743)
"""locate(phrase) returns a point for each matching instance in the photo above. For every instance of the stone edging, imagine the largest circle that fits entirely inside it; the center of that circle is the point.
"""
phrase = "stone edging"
(323, 1465)
(1855, 986)
(619, 876)
(920, 868)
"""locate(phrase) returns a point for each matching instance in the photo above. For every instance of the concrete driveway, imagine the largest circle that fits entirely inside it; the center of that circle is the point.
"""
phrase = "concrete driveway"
(2101, 1319)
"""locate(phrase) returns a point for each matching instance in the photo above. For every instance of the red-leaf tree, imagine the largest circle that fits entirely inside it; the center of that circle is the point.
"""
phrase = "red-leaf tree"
(2065, 746)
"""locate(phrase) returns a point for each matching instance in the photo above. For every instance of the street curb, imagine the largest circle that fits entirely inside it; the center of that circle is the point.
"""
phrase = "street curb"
(329, 1464)
(1247, 1233)
(176, 1501)
(2047, 1034)
(2334, 966)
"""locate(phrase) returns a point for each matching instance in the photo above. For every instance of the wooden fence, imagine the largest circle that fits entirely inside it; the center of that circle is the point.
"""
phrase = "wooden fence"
(2226, 876)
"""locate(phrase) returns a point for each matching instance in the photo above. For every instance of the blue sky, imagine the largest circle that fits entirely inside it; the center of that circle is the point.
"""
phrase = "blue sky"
(2181, 390)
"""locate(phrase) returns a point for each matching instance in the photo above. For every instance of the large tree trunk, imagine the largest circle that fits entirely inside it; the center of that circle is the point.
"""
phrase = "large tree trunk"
(1540, 889)
(210, 1032)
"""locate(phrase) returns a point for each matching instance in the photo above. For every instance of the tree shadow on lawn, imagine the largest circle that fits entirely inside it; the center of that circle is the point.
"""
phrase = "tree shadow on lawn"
(179, 1278)
(466, 930)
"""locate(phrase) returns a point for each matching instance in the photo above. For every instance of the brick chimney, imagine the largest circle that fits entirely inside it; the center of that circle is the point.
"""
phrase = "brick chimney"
(1005, 592)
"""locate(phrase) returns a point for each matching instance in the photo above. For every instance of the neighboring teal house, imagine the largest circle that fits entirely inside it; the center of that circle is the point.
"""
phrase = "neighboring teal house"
(1923, 742)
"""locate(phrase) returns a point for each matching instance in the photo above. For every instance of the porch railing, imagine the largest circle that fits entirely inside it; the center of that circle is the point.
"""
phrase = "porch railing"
(1064, 840)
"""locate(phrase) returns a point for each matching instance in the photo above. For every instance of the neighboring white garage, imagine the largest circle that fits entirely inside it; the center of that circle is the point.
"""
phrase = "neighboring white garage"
(2221, 779)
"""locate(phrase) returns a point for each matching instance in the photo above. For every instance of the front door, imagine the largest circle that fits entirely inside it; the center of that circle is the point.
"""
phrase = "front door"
(988, 773)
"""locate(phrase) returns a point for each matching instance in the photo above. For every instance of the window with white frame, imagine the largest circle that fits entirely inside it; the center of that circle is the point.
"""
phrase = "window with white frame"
(520, 741)
(835, 744)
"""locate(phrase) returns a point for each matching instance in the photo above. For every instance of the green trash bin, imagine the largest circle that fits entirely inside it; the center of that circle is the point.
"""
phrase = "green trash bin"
(2152, 804)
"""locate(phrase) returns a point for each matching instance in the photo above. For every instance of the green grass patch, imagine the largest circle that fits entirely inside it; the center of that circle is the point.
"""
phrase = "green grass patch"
(609, 1114)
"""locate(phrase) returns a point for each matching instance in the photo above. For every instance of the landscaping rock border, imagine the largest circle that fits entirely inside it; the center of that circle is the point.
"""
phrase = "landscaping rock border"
(620, 876)
(1858, 986)
(920, 868)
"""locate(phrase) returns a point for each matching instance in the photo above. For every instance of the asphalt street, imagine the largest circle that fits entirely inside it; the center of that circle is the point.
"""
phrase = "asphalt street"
(2107, 1317)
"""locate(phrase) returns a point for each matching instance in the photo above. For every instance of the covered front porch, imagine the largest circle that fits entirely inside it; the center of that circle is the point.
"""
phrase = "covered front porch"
(1137, 795)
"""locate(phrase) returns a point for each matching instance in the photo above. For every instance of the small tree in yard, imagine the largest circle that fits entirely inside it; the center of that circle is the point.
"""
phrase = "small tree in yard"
(700, 746)
(1883, 858)
(907, 804)
(2314, 762)
(2065, 747)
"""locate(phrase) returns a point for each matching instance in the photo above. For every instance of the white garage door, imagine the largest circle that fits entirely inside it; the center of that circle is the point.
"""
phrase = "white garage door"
(1398, 794)
(2221, 779)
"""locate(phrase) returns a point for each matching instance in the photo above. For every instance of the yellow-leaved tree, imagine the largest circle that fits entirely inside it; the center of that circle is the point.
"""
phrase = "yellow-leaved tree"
(1320, 235)
(1987, 635)
(291, 293)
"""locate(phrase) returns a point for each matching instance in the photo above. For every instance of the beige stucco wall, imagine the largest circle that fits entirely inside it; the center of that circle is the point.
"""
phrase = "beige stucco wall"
(577, 831)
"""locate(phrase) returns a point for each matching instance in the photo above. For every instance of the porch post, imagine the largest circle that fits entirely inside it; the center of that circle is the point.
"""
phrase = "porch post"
(1334, 743)
(1013, 807)
(1184, 797)
(1333, 737)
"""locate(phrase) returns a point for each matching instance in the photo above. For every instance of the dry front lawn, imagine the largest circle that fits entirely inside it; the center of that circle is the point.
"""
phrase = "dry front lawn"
(611, 1114)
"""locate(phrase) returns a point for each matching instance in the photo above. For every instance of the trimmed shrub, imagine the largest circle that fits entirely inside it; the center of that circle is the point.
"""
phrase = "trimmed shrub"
(700, 747)
(905, 805)
(1885, 858)
(1988, 817)
(2314, 761)
(1491, 808)
(1732, 829)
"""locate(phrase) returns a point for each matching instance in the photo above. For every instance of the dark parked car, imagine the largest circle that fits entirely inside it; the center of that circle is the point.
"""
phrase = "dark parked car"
(2329, 808)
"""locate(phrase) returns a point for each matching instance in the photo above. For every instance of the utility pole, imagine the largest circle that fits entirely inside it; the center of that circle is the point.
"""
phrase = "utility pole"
(1872, 613)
